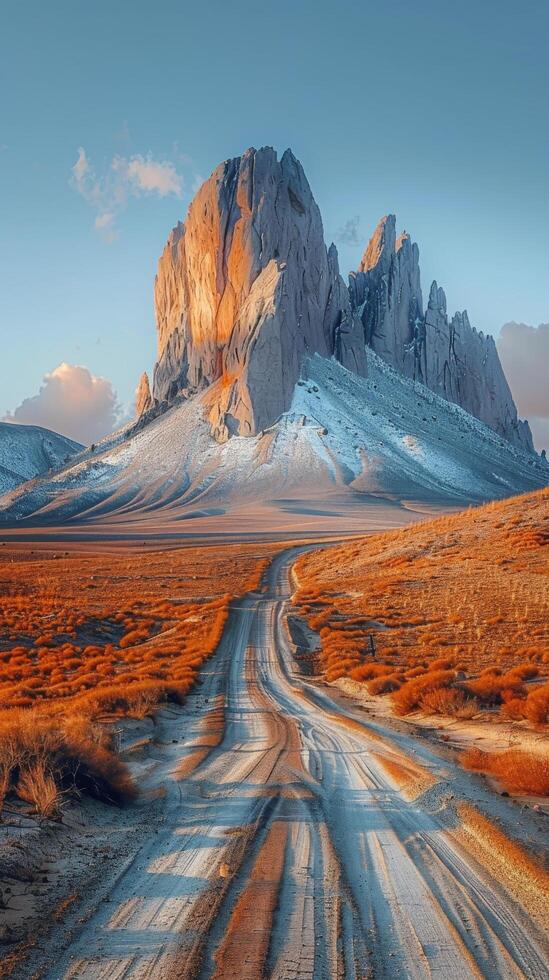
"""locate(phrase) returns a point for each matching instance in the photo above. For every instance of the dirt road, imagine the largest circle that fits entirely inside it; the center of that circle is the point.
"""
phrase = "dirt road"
(286, 850)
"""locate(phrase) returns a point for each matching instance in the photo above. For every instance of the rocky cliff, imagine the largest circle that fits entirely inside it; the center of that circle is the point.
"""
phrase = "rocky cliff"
(386, 294)
(463, 365)
(245, 290)
(448, 356)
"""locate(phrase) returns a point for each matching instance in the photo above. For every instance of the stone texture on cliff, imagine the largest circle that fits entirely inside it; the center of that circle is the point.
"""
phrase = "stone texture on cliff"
(245, 290)
(386, 293)
(463, 365)
(143, 397)
(448, 356)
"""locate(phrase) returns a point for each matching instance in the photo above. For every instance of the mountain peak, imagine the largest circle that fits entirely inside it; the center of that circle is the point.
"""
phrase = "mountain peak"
(245, 289)
(381, 246)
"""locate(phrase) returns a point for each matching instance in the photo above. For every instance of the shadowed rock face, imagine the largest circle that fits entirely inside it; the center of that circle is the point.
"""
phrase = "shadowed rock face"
(245, 290)
(463, 365)
(386, 292)
(450, 357)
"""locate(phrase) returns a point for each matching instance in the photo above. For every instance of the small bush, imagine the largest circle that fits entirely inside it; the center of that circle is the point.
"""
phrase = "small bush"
(37, 786)
(38, 754)
(368, 671)
(449, 701)
(409, 696)
(525, 672)
(518, 770)
(384, 684)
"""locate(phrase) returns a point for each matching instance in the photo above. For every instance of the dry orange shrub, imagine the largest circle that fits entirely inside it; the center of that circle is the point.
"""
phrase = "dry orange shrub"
(98, 628)
(466, 592)
(518, 770)
(84, 635)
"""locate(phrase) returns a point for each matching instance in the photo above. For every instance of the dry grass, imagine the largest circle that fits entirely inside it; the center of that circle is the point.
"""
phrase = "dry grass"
(113, 632)
(517, 770)
(449, 701)
(41, 758)
(411, 695)
(466, 592)
(37, 785)
(83, 636)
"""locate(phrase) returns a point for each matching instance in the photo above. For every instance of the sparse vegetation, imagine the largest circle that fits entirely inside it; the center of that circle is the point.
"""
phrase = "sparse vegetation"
(517, 770)
(84, 637)
(458, 606)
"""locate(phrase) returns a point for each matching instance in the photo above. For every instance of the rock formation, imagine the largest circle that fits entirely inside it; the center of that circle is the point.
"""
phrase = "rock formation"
(143, 397)
(450, 357)
(463, 365)
(386, 292)
(245, 290)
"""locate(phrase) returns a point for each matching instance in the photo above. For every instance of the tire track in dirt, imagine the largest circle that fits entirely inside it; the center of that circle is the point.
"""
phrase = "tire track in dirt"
(288, 849)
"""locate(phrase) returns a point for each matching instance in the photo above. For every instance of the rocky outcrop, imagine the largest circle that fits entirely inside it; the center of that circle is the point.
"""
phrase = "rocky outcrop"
(463, 365)
(143, 397)
(448, 356)
(245, 290)
(386, 293)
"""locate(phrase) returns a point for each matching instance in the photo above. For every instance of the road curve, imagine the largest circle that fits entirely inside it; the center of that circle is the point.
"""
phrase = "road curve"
(286, 851)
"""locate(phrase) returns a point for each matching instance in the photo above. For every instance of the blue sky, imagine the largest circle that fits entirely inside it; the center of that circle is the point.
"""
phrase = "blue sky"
(436, 111)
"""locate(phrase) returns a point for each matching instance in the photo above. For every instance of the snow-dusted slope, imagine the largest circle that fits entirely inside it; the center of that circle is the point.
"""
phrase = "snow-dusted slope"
(383, 436)
(27, 451)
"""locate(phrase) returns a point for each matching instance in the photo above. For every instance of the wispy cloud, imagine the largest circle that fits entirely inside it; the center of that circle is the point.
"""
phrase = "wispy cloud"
(143, 175)
(348, 233)
(123, 178)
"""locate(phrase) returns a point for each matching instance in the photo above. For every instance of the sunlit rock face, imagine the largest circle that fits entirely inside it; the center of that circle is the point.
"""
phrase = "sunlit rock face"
(245, 290)
(143, 397)
(449, 356)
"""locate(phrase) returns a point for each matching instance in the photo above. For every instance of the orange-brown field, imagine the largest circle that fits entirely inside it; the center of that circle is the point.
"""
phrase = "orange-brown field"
(98, 631)
(89, 634)
(458, 607)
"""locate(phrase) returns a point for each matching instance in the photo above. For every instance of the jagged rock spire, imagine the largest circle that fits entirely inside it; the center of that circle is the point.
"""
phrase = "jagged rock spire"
(386, 293)
(463, 365)
(449, 356)
(143, 397)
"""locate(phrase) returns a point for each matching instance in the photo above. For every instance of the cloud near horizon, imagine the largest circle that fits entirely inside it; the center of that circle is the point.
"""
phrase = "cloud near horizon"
(524, 354)
(73, 402)
(125, 177)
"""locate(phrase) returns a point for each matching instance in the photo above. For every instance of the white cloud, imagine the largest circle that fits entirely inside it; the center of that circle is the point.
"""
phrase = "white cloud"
(125, 177)
(152, 175)
(524, 353)
(74, 402)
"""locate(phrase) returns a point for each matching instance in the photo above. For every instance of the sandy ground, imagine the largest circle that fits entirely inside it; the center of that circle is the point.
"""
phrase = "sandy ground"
(331, 515)
(286, 833)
